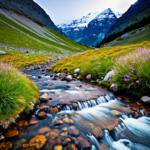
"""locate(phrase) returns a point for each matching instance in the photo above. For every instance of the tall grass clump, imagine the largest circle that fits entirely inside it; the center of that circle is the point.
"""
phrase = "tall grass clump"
(133, 73)
(98, 68)
(16, 92)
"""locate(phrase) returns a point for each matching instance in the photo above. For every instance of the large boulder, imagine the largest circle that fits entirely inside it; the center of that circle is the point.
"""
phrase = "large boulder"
(77, 70)
(125, 36)
(2, 53)
(114, 87)
(89, 77)
(69, 78)
(145, 99)
(109, 75)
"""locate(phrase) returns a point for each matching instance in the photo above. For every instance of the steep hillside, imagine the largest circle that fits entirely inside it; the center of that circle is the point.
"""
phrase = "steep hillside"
(135, 36)
(29, 9)
(91, 27)
(136, 16)
(23, 33)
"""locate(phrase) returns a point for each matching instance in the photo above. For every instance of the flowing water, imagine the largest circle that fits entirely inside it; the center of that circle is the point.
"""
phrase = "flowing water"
(82, 116)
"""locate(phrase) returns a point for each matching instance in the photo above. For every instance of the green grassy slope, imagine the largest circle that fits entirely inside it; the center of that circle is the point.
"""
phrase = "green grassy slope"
(137, 36)
(16, 35)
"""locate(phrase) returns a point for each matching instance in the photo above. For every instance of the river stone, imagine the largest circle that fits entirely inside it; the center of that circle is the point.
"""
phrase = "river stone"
(42, 114)
(45, 97)
(83, 143)
(75, 75)
(114, 87)
(71, 147)
(33, 121)
(2, 53)
(98, 133)
(69, 78)
(58, 147)
(55, 110)
(66, 141)
(73, 131)
(125, 36)
(77, 70)
(38, 141)
(44, 130)
(58, 122)
(89, 77)
(12, 133)
(51, 135)
(145, 99)
(6, 145)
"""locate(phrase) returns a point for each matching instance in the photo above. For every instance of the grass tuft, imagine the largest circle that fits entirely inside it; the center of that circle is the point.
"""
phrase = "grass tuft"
(17, 91)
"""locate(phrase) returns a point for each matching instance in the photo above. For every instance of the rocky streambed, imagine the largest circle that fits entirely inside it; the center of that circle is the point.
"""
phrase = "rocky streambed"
(72, 114)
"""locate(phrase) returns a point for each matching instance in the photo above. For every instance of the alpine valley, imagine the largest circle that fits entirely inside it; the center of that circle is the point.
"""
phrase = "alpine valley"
(90, 29)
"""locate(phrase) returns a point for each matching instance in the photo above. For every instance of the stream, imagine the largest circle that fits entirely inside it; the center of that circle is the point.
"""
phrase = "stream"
(81, 115)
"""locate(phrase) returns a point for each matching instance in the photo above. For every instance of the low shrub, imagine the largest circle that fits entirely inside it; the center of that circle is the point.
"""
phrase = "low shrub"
(16, 92)
(133, 73)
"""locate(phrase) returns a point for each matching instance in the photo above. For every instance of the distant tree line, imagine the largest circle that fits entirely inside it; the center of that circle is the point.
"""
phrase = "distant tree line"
(145, 21)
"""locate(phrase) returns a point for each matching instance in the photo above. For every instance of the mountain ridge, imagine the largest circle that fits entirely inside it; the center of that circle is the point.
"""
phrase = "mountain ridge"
(80, 30)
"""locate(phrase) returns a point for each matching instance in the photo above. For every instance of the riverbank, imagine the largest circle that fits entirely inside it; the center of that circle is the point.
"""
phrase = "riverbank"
(71, 112)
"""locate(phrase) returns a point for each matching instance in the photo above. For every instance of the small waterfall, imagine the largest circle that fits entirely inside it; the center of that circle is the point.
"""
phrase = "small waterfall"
(94, 141)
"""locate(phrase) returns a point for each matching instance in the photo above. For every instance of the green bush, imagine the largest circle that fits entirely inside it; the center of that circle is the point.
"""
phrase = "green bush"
(16, 92)
(133, 73)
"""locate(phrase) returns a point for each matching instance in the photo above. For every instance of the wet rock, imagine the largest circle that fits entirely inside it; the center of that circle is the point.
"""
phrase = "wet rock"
(43, 107)
(68, 121)
(125, 36)
(58, 122)
(66, 141)
(6, 145)
(55, 110)
(29, 76)
(109, 75)
(42, 114)
(64, 134)
(2, 53)
(80, 85)
(12, 133)
(44, 130)
(63, 78)
(145, 99)
(75, 75)
(51, 135)
(73, 131)
(58, 147)
(71, 147)
(45, 97)
(23, 123)
(114, 87)
(89, 77)
(38, 141)
(77, 70)
(69, 78)
(83, 143)
(20, 142)
(39, 77)
(33, 121)
(98, 133)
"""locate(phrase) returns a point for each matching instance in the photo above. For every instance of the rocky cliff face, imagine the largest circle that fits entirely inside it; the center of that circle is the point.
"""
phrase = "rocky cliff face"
(29, 9)
(139, 7)
(90, 29)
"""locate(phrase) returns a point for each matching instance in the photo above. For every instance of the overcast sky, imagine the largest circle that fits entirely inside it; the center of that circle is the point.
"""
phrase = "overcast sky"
(63, 11)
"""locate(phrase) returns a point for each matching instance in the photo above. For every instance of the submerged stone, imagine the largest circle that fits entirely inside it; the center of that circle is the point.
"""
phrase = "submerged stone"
(38, 141)
(12, 133)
